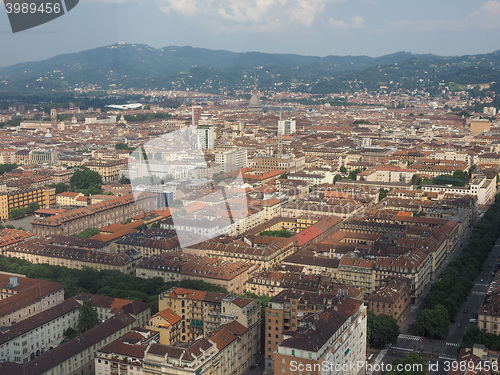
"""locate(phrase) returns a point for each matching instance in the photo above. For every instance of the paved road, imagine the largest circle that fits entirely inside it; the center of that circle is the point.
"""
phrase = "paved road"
(408, 326)
(24, 223)
(447, 349)
(472, 303)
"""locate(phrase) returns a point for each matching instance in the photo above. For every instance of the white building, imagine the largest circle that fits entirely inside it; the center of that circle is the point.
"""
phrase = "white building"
(33, 336)
(230, 160)
(480, 187)
(287, 126)
(206, 137)
(340, 343)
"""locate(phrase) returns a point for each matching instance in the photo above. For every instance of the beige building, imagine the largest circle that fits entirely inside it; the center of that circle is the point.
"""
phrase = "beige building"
(96, 215)
(68, 198)
(21, 297)
(342, 342)
(42, 331)
(229, 350)
(265, 252)
(45, 197)
(292, 322)
(489, 312)
(478, 126)
(109, 170)
(41, 251)
(392, 299)
(168, 324)
(203, 312)
(175, 266)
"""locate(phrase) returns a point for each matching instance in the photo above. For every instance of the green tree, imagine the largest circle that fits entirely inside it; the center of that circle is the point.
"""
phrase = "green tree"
(88, 316)
(277, 233)
(87, 233)
(141, 227)
(416, 179)
(384, 329)
(124, 180)
(472, 169)
(17, 213)
(34, 206)
(123, 146)
(433, 323)
(4, 168)
(343, 170)
(337, 178)
(474, 335)
(461, 175)
(354, 173)
(60, 187)
(86, 181)
(382, 193)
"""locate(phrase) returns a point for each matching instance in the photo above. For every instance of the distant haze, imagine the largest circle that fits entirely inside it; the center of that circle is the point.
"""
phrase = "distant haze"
(312, 27)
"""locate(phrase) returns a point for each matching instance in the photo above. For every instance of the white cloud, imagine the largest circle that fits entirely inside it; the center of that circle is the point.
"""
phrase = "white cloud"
(429, 25)
(357, 22)
(261, 15)
(486, 17)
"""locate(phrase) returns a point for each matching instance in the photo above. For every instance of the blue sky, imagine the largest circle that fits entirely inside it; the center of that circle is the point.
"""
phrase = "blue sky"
(307, 27)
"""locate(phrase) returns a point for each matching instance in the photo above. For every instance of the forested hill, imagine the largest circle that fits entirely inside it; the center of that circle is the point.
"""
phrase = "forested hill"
(141, 66)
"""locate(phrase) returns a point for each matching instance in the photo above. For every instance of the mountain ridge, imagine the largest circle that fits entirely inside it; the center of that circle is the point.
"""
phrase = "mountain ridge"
(184, 67)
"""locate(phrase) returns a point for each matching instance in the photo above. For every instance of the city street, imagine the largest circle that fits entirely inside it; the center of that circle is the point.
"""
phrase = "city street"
(446, 350)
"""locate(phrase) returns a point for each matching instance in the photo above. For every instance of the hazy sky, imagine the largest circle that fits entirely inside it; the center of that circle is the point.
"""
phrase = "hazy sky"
(307, 27)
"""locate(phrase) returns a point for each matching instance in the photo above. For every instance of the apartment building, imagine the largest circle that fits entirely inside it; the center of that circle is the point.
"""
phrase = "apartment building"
(168, 324)
(76, 356)
(45, 197)
(68, 198)
(109, 170)
(43, 251)
(203, 312)
(488, 312)
(358, 272)
(7, 155)
(33, 336)
(415, 266)
(22, 297)
(478, 126)
(388, 174)
(150, 242)
(125, 355)
(263, 251)
(288, 163)
(342, 342)
(273, 282)
(480, 187)
(392, 299)
(230, 160)
(175, 266)
(284, 317)
(96, 215)
(229, 350)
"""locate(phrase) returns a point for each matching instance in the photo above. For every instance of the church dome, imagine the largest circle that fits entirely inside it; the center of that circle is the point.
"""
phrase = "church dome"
(255, 100)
